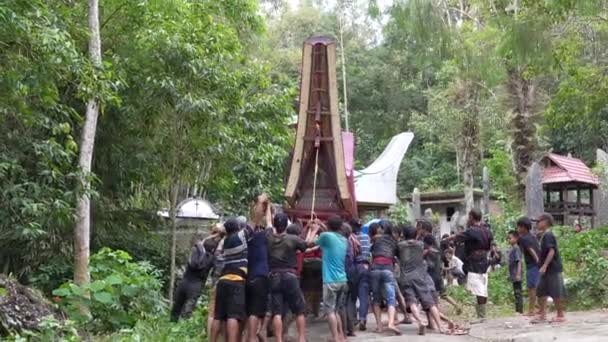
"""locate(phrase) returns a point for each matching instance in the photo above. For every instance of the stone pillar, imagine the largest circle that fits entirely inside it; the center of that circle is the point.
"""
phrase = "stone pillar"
(486, 191)
(428, 215)
(416, 210)
(601, 198)
(535, 205)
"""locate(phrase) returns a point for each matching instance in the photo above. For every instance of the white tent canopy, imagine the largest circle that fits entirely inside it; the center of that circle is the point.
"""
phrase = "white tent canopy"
(377, 184)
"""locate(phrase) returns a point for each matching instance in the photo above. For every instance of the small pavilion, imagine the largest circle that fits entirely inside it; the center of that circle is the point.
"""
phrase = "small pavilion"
(569, 187)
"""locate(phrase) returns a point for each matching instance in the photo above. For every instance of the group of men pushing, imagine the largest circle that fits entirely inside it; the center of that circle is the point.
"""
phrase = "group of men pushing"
(256, 272)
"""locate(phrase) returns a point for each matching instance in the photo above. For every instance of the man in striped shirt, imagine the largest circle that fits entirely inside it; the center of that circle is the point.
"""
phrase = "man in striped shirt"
(362, 259)
(230, 293)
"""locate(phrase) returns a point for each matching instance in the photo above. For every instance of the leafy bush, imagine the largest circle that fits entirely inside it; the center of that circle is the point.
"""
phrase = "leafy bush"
(586, 269)
(398, 213)
(50, 330)
(121, 292)
(160, 329)
(500, 288)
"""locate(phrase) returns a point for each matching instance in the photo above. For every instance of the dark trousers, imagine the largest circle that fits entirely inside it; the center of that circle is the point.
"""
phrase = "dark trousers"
(358, 288)
(185, 298)
(351, 307)
(519, 302)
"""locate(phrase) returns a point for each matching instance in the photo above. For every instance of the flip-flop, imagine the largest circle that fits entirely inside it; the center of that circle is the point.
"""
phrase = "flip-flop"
(558, 320)
(455, 332)
(539, 320)
(421, 330)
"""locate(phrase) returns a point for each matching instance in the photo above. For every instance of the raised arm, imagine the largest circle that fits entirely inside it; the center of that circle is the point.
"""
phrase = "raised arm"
(268, 213)
(313, 230)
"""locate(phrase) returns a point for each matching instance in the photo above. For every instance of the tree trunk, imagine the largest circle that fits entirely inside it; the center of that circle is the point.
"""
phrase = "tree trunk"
(468, 175)
(83, 220)
(523, 126)
(173, 215)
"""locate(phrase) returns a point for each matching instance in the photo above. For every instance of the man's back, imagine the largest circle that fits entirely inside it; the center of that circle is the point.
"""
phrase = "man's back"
(365, 252)
(334, 248)
(477, 243)
(385, 246)
(235, 256)
(282, 250)
(411, 258)
(258, 254)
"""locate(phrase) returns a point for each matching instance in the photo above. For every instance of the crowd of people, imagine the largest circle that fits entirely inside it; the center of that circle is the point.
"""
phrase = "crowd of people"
(256, 273)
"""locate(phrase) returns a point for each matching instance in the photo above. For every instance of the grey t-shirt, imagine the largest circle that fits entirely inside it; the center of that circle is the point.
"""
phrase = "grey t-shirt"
(282, 250)
(411, 259)
(514, 258)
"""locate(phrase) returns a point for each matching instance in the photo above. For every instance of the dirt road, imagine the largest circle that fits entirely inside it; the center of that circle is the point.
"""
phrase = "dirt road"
(589, 326)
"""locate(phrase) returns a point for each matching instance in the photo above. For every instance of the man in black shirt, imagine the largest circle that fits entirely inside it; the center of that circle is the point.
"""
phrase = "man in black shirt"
(528, 244)
(477, 241)
(551, 281)
(285, 287)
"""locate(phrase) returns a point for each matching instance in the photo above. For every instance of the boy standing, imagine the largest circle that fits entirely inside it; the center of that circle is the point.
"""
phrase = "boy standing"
(515, 270)
(551, 282)
(530, 249)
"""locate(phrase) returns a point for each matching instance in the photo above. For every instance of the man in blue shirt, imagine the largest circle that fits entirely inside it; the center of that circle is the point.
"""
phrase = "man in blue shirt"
(257, 287)
(334, 247)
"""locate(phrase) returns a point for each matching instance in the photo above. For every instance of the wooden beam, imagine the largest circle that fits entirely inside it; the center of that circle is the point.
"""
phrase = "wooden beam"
(337, 127)
(294, 174)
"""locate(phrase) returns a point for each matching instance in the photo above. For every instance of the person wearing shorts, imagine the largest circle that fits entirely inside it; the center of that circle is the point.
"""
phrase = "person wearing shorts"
(528, 244)
(384, 251)
(284, 284)
(477, 243)
(417, 285)
(551, 282)
(230, 291)
(257, 287)
(334, 248)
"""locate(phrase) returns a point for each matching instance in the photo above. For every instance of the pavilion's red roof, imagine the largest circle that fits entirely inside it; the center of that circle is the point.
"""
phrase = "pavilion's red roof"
(567, 169)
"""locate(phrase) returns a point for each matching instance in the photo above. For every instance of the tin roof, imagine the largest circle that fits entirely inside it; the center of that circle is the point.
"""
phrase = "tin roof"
(562, 169)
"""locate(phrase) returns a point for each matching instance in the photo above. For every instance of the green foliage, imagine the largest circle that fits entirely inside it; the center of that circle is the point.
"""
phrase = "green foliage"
(398, 213)
(586, 266)
(121, 292)
(502, 224)
(500, 288)
(160, 329)
(50, 330)
(502, 179)
(40, 64)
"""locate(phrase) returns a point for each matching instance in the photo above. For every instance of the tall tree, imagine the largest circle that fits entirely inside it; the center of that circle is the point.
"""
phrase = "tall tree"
(82, 232)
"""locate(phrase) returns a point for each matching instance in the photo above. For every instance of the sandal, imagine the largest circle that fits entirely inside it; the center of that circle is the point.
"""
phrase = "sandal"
(558, 320)
(539, 320)
(421, 330)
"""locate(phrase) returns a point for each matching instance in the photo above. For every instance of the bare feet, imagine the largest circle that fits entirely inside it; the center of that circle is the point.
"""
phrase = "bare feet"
(558, 320)
(394, 330)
